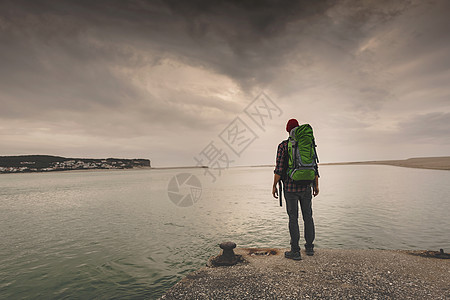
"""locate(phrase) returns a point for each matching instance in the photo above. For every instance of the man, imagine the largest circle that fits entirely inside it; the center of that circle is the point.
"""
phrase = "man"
(295, 192)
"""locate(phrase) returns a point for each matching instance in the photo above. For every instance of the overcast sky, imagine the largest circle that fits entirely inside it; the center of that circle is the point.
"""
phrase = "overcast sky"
(164, 79)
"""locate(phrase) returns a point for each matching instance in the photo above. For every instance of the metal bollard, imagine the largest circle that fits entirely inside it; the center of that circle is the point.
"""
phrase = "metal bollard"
(227, 257)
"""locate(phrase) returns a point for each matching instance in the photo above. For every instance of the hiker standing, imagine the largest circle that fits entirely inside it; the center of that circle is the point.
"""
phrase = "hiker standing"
(296, 167)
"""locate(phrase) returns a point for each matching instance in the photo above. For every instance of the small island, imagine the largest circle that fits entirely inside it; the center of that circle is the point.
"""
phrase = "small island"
(49, 163)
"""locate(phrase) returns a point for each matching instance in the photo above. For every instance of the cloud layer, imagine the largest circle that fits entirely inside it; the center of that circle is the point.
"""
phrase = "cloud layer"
(115, 78)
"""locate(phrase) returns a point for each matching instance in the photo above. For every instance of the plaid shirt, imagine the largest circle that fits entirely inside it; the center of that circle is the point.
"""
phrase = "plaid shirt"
(281, 169)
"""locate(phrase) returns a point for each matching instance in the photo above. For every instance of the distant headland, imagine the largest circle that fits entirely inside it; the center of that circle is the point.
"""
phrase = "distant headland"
(49, 163)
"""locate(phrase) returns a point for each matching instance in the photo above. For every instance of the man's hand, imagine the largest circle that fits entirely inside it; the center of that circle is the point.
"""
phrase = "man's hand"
(315, 190)
(276, 178)
(275, 192)
(316, 186)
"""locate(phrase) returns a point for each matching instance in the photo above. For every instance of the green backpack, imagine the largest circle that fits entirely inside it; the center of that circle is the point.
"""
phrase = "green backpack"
(302, 154)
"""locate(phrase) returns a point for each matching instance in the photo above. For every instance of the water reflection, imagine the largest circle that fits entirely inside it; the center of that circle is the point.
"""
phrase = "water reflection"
(117, 234)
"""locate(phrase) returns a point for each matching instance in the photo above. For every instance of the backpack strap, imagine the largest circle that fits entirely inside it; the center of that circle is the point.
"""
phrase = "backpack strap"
(285, 161)
(316, 157)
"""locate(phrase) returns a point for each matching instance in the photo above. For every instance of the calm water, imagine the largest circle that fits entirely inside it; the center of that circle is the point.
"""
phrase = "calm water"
(117, 235)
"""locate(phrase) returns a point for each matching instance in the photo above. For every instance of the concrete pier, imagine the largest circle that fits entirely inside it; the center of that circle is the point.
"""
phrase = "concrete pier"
(329, 274)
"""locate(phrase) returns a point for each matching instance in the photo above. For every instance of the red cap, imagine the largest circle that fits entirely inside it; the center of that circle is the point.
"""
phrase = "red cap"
(292, 123)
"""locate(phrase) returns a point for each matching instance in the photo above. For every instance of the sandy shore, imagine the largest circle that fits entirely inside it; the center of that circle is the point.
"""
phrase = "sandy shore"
(329, 274)
(436, 163)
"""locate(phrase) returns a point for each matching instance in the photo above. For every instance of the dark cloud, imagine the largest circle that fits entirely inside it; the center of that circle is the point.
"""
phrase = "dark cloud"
(232, 37)
(74, 56)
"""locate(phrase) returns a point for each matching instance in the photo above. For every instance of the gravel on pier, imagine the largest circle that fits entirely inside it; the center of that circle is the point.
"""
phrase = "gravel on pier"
(329, 274)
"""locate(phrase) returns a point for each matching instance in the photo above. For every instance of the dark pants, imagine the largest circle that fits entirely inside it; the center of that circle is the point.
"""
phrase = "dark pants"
(292, 200)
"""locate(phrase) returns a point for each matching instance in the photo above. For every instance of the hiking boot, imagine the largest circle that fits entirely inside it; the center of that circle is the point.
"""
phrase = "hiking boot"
(309, 249)
(295, 255)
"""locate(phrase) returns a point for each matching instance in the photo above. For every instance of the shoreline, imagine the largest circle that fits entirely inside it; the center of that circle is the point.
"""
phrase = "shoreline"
(329, 274)
(78, 171)
(432, 163)
(104, 170)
